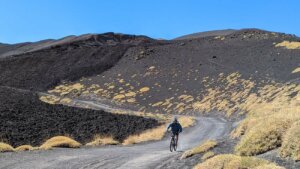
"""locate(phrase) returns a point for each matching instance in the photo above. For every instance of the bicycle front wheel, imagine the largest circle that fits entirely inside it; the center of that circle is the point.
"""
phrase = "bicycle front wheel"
(172, 145)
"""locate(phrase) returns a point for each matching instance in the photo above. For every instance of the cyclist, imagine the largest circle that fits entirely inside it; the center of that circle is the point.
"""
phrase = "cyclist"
(175, 128)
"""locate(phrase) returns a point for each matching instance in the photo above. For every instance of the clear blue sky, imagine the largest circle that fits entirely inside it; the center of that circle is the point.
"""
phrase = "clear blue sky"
(32, 20)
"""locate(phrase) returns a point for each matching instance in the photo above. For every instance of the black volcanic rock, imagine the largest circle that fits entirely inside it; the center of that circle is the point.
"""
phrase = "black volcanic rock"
(25, 119)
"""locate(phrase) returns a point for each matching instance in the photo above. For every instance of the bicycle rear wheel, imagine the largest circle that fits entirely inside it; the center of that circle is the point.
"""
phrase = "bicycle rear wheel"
(175, 143)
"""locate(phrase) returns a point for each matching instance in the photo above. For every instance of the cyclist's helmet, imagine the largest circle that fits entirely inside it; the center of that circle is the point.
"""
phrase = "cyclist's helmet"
(175, 119)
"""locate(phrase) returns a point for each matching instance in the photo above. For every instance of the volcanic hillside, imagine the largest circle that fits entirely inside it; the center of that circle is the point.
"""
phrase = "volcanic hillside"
(25, 119)
(244, 72)
(194, 75)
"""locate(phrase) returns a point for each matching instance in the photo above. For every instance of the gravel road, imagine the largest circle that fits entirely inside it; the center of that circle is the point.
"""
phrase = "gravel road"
(146, 155)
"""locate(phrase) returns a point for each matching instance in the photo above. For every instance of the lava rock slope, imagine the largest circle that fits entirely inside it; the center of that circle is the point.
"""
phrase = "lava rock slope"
(25, 119)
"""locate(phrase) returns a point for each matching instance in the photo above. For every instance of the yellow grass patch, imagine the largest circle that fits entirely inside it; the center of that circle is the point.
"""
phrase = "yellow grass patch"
(25, 148)
(6, 147)
(148, 135)
(60, 141)
(130, 94)
(207, 155)
(102, 140)
(202, 148)
(119, 96)
(270, 116)
(65, 100)
(289, 45)
(219, 37)
(50, 99)
(297, 70)
(264, 136)
(144, 89)
(66, 89)
(131, 100)
(186, 121)
(290, 145)
(229, 161)
(159, 132)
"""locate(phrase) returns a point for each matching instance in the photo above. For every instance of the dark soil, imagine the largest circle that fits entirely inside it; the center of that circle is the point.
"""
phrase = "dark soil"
(67, 60)
(25, 119)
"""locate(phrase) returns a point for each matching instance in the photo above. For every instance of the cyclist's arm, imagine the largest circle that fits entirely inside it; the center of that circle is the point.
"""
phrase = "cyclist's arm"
(169, 127)
(180, 128)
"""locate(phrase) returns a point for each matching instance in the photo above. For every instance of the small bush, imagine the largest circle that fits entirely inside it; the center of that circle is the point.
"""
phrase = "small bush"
(207, 155)
(262, 137)
(289, 45)
(102, 140)
(199, 149)
(60, 141)
(149, 135)
(230, 161)
(291, 142)
(186, 121)
(6, 147)
(24, 148)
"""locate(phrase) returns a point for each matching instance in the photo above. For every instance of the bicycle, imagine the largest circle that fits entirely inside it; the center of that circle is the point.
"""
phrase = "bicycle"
(173, 143)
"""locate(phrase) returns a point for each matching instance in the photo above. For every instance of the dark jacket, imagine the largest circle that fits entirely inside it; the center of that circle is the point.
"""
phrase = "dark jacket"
(175, 127)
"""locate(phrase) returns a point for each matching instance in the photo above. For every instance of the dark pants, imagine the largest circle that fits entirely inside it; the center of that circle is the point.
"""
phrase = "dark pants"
(176, 135)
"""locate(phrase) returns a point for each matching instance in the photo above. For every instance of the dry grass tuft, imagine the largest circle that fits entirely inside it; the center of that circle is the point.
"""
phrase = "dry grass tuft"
(289, 45)
(148, 135)
(297, 70)
(199, 149)
(229, 161)
(186, 121)
(102, 140)
(60, 141)
(25, 148)
(207, 155)
(271, 114)
(264, 136)
(269, 166)
(290, 145)
(6, 147)
(159, 132)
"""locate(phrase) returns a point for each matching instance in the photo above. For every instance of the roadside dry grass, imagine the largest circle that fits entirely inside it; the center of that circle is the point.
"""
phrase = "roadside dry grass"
(148, 135)
(102, 140)
(6, 147)
(25, 148)
(230, 161)
(159, 132)
(60, 141)
(271, 112)
(202, 148)
(207, 155)
(290, 144)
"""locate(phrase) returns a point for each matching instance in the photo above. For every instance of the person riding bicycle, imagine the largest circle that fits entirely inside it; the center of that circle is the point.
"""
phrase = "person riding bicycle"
(175, 128)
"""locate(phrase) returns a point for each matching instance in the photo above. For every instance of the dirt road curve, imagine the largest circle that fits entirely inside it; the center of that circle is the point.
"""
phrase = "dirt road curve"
(147, 155)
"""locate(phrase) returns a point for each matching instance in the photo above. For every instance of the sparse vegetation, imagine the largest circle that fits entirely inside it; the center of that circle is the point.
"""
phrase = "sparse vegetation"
(230, 161)
(270, 116)
(202, 148)
(6, 147)
(60, 141)
(102, 140)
